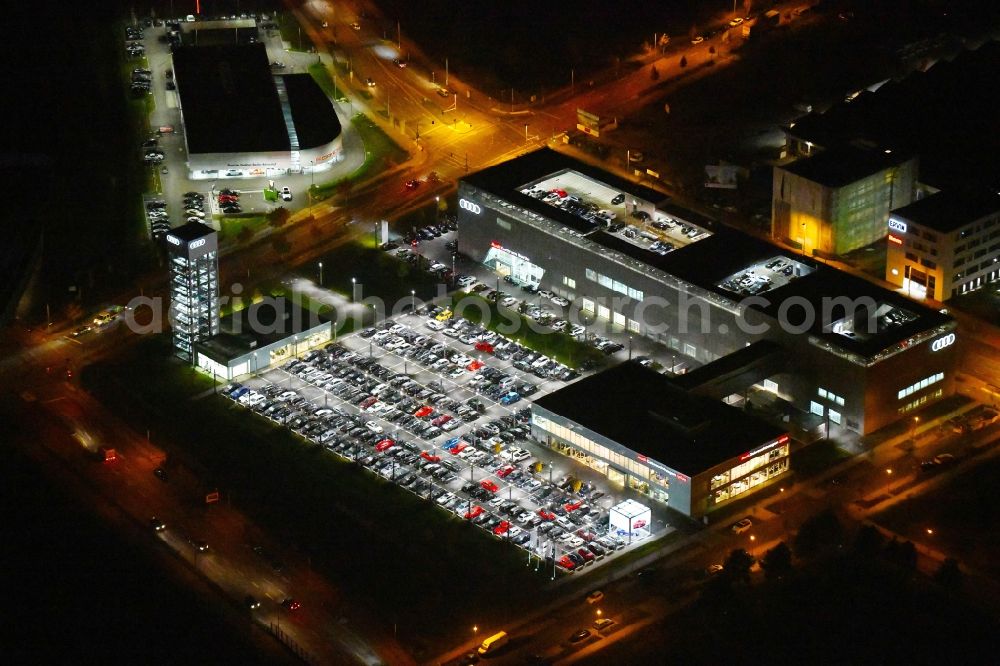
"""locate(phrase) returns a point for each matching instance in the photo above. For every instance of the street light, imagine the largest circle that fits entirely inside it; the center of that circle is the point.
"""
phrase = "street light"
(753, 540)
(888, 479)
(413, 301)
(913, 428)
(599, 613)
(353, 283)
(321, 273)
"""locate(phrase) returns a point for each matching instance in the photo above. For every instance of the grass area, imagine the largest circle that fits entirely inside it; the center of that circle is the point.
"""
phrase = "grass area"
(381, 153)
(560, 346)
(376, 272)
(959, 513)
(817, 457)
(321, 75)
(388, 549)
(291, 33)
(233, 226)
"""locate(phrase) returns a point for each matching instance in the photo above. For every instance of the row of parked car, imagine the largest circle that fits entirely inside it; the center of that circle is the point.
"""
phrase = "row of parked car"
(133, 42)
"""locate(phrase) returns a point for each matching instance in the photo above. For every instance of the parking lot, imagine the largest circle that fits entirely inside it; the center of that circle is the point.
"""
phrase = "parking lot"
(417, 403)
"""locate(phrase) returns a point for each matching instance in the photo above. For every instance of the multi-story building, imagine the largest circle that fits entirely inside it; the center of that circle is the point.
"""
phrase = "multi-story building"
(839, 200)
(856, 355)
(945, 244)
(193, 251)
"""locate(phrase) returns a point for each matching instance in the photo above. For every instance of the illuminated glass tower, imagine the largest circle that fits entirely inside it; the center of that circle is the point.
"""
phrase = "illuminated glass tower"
(194, 285)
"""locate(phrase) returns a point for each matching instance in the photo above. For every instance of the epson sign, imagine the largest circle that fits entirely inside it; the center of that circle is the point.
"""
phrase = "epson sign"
(942, 342)
(897, 225)
(469, 206)
(196, 244)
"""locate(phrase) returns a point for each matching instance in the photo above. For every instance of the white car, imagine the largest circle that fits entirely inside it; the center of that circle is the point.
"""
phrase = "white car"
(576, 330)
(509, 302)
(520, 455)
(374, 427)
(286, 194)
(435, 325)
(559, 300)
(545, 293)
(466, 281)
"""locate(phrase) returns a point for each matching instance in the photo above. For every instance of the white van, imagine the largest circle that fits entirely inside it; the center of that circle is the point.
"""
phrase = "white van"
(493, 643)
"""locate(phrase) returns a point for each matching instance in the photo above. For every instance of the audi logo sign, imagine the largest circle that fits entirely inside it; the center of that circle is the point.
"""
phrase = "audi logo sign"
(197, 243)
(173, 240)
(469, 206)
(943, 342)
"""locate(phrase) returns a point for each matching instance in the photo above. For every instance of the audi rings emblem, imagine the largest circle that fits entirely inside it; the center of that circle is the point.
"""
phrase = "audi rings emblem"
(469, 206)
(943, 342)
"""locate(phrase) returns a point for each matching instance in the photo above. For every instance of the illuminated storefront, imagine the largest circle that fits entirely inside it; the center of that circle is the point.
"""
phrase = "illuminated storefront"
(644, 433)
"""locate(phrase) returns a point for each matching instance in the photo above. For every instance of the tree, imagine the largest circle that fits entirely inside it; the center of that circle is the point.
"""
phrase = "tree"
(654, 74)
(737, 565)
(869, 541)
(244, 235)
(537, 467)
(684, 62)
(818, 533)
(777, 561)
(278, 217)
(949, 575)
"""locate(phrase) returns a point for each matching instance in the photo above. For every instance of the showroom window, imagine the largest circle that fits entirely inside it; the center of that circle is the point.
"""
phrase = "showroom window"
(633, 325)
(588, 305)
(591, 274)
(619, 319)
(922, 384)
(835, 416)
(635, 293)
(815, 408)
(603, 312)
(569, 282)
(690, 350)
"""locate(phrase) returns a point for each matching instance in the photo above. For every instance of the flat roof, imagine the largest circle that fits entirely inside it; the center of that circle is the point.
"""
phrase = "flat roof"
(646, 412)
(258, 326)
(838, 167)
(229, 100)
(191, 231)
(313, 115)
(951, 209)
(709, 262)
(946, 115)
(506, 179)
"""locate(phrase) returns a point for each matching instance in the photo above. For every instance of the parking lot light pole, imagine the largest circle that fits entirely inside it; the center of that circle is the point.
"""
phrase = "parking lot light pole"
(354, 283)
(321, 273)
(630, 347)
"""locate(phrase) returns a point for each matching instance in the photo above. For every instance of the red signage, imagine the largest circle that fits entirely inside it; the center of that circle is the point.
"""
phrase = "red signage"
(643, 458)
(895, 239)
(496, 245)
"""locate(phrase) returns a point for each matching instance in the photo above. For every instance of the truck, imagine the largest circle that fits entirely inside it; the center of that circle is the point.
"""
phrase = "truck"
(493, 643)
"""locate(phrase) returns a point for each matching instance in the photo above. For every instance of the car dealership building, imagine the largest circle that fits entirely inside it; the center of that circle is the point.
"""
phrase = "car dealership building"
(753, 314)
(241, 120)
(691, 452)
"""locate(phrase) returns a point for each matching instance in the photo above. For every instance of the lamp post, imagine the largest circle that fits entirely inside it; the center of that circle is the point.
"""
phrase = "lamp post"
(354, 282)
(413, 301)
(913, 429)
(753, 541)
(321, 273)
(888, 479)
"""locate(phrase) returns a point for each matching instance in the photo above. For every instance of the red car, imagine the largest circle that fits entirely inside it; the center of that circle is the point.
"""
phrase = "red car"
(547, 515)
(367, 402)
(475, 365)
(566, 563)
(458, 448)
(484, 347)
(489, 485)
(504, 526)
(562, 193)
(423, 412)
(384, 444)
(427, 456)
(441, 420)
(473, 512)
(228, 198)
(503, 472)
(573, 506)
(585, 554)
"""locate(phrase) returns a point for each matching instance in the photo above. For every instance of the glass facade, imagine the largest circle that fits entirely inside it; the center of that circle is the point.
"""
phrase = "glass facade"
(194, 293)
(748, 474)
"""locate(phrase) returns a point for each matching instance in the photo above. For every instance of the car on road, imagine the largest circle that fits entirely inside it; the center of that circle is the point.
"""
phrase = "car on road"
(580, 636)
(251, 602)
(603, 623)
(412, 184)
(399, 63)
(370, 82)
(356, 26)
(291, 604)
(619, 199)
(735, 22)
(157, 524)
(713, 569)
(286, 194)
(160, 473)
(741, 526)
(594, 597)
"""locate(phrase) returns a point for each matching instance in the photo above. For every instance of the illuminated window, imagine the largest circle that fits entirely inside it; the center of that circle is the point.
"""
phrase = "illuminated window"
(815, 408)
(922, 384)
